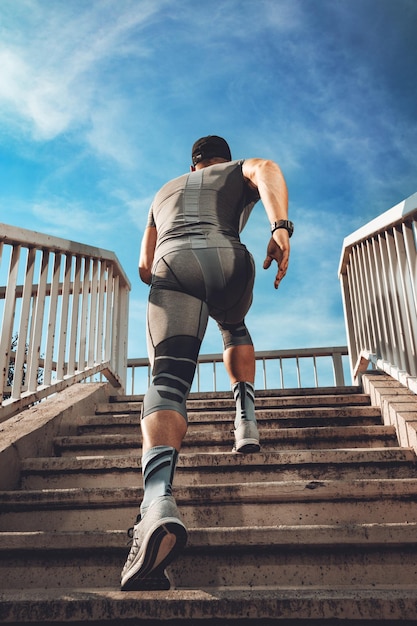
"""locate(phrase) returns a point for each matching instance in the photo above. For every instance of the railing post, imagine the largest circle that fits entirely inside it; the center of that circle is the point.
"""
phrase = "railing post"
(8, 318)
(339, 377)
(24, 325)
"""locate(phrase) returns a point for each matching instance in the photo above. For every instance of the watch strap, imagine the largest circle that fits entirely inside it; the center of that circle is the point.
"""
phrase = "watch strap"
(289, 226)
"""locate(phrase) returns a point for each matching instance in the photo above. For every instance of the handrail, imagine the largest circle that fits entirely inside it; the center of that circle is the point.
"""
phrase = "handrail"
(378, 275)
(275, 369)
(64, 310)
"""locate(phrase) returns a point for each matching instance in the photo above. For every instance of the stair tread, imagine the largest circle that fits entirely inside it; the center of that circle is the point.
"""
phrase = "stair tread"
(261, 393)
(319, 602)
(227, 459)
(209, 404)
(324, 432)
(227, 494)
(377, 534)
(264, 417)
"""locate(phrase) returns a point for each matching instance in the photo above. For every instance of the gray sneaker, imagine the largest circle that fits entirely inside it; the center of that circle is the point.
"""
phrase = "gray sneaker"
(246, 437)
(157, 540)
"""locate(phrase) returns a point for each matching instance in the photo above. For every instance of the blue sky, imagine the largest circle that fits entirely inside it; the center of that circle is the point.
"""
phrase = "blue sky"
(101, 100)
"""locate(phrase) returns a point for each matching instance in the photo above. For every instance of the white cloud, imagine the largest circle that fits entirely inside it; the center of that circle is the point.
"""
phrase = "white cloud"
(108, 136)
(51, 59)
(41, 100)
(64, 219)
(138, 210)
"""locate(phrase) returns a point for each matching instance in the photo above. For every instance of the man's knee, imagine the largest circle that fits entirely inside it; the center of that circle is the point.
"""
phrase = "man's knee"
(163, 398)
(235, 335)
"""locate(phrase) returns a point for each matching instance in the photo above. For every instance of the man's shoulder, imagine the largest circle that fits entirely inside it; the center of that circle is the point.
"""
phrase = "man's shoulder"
(173, 184)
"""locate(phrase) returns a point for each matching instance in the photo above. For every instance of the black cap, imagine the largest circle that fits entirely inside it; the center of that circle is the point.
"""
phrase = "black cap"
(210, 147)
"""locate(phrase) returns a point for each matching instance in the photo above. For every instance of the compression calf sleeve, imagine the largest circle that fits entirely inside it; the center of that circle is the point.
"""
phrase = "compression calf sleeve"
(158, 468)
(244, 395)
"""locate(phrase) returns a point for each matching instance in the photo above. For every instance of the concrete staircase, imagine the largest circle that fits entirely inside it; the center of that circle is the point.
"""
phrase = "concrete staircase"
(320, 527)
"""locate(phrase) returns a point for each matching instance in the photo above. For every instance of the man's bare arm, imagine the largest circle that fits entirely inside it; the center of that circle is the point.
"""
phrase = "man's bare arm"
(147, 252)
(268, 178)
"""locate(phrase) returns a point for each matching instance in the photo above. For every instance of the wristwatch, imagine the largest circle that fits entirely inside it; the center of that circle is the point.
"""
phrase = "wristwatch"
(289, 226)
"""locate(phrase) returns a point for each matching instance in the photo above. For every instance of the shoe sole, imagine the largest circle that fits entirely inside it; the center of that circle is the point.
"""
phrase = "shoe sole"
(247, 446)
(163, 545)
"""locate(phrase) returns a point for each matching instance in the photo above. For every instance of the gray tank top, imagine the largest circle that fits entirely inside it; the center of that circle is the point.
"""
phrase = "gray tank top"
(203, 209)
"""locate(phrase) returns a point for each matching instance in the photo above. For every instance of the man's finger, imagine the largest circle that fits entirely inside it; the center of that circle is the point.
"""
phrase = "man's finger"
(267, 262)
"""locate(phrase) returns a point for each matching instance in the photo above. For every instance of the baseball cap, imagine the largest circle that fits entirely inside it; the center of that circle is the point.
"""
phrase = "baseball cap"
(209, 147)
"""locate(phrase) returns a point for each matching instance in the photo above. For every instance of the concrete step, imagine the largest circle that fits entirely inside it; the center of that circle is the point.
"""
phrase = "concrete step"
(223, 420)
(267, 557)
(260, 393)
(251, 504)
(220, 467)
(321, 605)
(215, 440)
(268, 402)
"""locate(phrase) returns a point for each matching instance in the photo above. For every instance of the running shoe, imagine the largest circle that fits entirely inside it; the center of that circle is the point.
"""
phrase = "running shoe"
(158, 538)
(246, 437)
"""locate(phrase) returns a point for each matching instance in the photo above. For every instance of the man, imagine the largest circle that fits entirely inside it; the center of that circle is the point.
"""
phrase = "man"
(192, 257)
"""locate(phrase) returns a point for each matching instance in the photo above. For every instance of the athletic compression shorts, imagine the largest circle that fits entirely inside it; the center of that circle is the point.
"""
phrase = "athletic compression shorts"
(187, 287)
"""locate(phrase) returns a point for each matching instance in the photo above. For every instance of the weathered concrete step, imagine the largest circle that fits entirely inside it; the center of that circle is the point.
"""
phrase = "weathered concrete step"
(255, 557)
(275, 562)
(251, 504)
(220, 467)
(214, 440)
(274, 418)
(227, 404)
(329, 605)
(260, 393)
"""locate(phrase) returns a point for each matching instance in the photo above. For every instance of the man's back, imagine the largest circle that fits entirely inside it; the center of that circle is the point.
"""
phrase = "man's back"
(203, 209)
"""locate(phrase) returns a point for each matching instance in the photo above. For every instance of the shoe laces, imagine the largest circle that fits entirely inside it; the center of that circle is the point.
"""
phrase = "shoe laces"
(130, 531)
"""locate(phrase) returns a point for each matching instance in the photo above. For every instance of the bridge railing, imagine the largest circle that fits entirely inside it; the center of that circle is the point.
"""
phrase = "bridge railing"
(275, 369)
(63, 312)
(378, 274)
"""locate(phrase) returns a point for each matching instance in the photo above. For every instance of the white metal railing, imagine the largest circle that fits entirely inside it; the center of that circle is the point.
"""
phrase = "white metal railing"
(275, 369)
(378, 274)
(64, 311)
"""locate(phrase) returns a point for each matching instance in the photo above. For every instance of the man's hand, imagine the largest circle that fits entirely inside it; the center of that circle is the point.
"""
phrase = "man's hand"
(279, 250)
